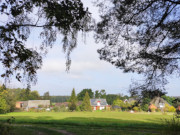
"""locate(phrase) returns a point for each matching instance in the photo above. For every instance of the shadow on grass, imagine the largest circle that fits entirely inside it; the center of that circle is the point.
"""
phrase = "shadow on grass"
(90, 122)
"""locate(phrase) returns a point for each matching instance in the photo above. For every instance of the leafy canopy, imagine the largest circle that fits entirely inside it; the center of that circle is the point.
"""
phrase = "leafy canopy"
(141, 36)
(52, 18)
(81, 94)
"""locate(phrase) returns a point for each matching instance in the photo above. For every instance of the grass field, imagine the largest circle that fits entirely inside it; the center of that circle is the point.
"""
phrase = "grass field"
(92, 122)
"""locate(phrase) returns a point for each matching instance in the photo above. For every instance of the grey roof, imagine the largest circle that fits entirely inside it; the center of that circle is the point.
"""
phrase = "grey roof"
(103, 102)
(35, 103)
(158, 100)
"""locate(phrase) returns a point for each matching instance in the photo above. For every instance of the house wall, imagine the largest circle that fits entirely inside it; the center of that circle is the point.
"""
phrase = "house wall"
(18, 104)
(36, 103)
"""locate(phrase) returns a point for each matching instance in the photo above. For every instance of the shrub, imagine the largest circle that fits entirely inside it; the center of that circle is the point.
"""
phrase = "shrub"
(3, 105)
(145, 107)
(172, 109)
(166, 108)
(136, 109)
(78, 109)
(153, 110)
(56, 109)
(158, 110)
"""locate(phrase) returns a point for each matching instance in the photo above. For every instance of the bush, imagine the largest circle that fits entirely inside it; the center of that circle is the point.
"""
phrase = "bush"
(153, 110)
(172, 109)
(78, 109)
(61, 108)
(136, 109)
(169, 108)
(3, 105)
(166, 108)
(158, 110)
(145, 107)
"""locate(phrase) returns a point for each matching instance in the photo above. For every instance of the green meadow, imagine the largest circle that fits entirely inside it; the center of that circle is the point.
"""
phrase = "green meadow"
(88, 122)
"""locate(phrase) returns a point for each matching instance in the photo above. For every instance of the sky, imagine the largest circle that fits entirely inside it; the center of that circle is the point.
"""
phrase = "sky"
(87, 70)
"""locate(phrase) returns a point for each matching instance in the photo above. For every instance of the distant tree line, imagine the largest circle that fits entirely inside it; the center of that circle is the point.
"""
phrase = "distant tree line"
(59, 99)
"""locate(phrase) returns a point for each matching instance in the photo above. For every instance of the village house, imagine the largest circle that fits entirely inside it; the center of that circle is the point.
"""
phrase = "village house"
(99, 104)
(26, 105)
(158, 102)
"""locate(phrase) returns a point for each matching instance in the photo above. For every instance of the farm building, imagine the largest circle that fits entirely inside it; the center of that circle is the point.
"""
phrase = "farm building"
(25, 105)
(99, 104)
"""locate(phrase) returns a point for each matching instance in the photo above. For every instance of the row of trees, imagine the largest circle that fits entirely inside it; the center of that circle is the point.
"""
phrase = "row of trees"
(100, 94)
(8, 97)
(85, 106)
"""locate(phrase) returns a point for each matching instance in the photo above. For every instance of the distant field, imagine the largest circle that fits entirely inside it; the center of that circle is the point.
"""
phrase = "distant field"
(93, 122)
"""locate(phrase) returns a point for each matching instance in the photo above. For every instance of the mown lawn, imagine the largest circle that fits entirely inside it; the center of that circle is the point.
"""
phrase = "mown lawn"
(94, 122)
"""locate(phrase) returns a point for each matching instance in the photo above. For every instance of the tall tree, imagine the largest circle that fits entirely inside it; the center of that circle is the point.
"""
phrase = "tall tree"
(46, 96)
(52, 18)
(73, 101)
(141, 36)
(111, 97)
(86, 106)
(3, 104)
(81, 94)
(97, 94)
(102, 94)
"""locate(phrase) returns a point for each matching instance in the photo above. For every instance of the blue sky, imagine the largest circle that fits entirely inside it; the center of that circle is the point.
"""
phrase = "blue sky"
(87, 71)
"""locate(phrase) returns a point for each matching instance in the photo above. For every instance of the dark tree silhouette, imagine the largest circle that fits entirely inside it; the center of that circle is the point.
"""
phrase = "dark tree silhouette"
(141, 36)
(51, 17)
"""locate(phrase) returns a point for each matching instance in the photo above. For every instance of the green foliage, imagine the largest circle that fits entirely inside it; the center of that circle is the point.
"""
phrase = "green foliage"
(118, 102)
(145, 107)
(124, 105)
(169, 108)
(60, 108)
(3, 105)
(145, 104)
(111, 97)
(168, 99)
(172, 109)
(46, 96)
(34, 95)
(100, 94)
(171, 126)
(136, 109)
(103, 94)
(153, 110)
(65, 18)
(86, 106)
(11, 100)
(73, 101)
(59, 99)
(81, 95)
(97, 94)
(5, 129)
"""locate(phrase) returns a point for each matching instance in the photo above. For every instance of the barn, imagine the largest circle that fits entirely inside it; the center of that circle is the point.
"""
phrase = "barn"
(26, 105)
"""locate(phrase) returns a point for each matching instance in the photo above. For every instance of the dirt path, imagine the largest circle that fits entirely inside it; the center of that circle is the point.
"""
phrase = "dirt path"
(60, 131)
